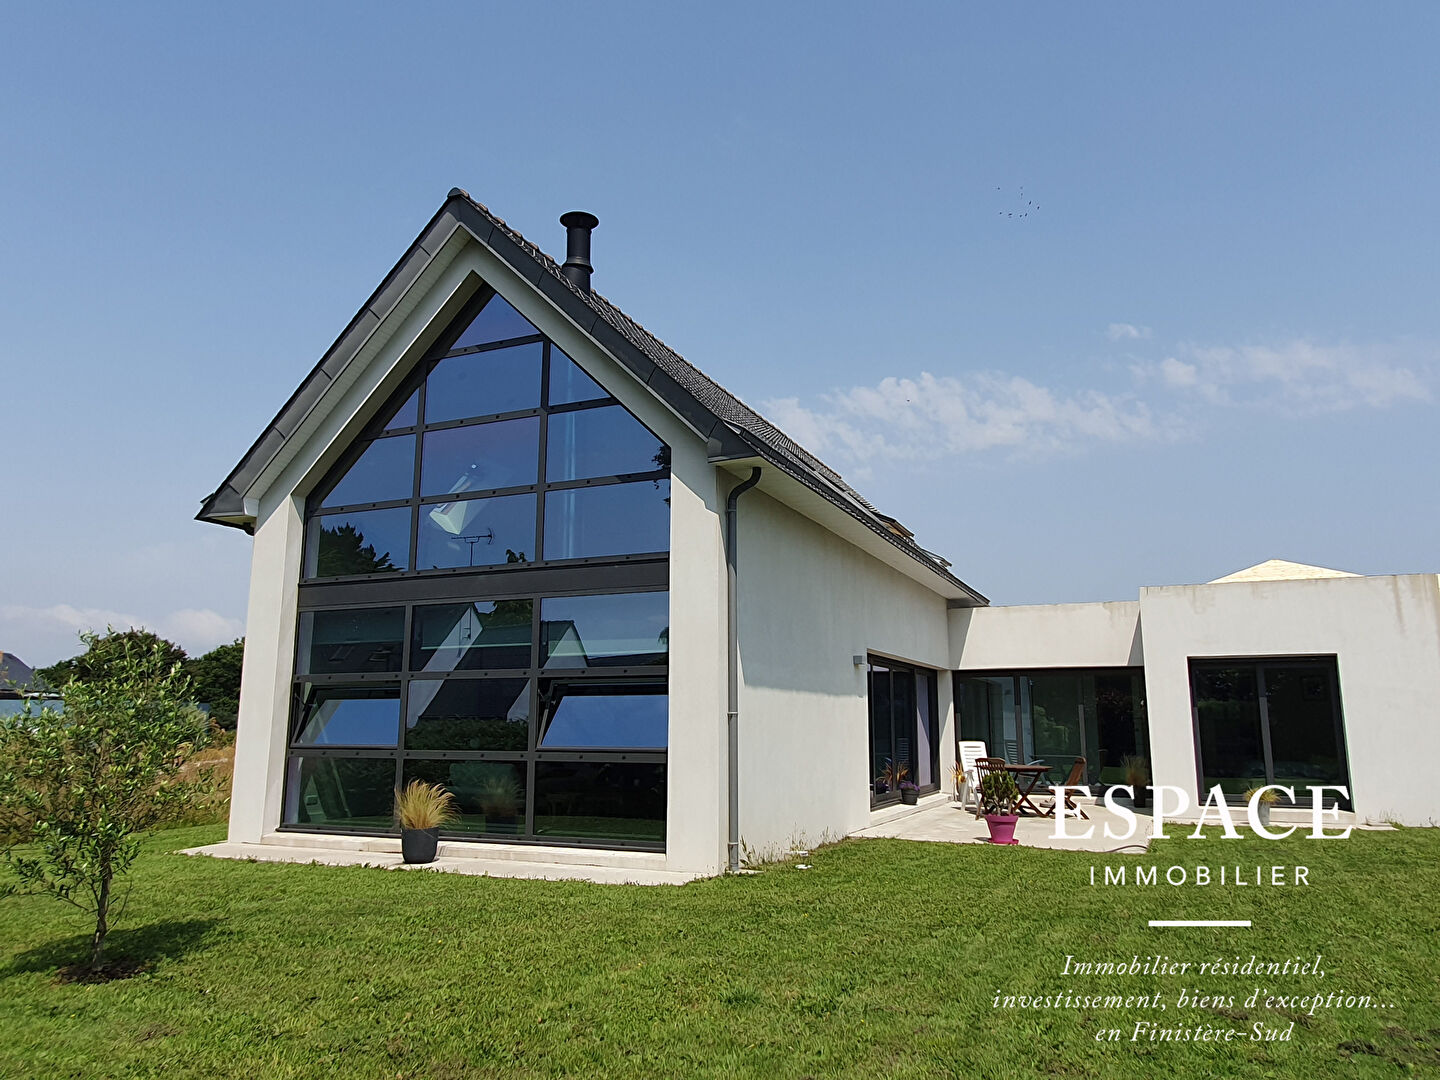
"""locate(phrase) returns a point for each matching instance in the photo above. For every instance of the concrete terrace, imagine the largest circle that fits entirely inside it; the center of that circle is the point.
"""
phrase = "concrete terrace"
(940, 820)
(601, 867)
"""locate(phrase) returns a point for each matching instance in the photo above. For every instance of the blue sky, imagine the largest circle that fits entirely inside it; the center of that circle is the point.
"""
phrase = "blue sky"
(1213, 340)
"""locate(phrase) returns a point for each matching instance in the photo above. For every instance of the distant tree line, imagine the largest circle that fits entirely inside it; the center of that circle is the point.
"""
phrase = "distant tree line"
(214, 678)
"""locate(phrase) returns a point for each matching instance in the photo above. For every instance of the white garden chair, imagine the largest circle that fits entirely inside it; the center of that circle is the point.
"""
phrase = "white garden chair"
(967, 780)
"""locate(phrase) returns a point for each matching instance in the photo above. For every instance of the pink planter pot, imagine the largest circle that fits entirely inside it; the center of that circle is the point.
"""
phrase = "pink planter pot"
(1002, 828)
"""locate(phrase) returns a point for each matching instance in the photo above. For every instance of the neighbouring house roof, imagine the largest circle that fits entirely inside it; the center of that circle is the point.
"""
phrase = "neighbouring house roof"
(13, 669)
(734, 431)
(1281, 570)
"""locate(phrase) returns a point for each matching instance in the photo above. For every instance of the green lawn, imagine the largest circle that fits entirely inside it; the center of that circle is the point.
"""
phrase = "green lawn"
(880, 961)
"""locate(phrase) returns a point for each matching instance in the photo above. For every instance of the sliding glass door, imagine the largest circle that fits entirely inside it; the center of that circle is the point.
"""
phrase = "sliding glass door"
(1268, 722)
(904, 729)
(1056, 716)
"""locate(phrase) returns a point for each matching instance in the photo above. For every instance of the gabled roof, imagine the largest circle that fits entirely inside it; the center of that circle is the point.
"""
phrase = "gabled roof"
(734, 431)
(1281, 570)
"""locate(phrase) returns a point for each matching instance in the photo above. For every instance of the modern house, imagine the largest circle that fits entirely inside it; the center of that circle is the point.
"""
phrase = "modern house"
(507, 540)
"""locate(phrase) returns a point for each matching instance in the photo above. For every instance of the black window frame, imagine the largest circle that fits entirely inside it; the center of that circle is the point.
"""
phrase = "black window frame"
(535, 580)
(415, 383)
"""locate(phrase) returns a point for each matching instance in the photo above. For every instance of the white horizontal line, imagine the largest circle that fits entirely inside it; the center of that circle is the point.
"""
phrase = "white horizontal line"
(1199, 922)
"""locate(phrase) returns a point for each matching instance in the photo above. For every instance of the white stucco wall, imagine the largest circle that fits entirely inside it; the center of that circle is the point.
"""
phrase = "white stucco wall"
(1046, 635)
(265, 677)
(1385, 634)
(808, 603)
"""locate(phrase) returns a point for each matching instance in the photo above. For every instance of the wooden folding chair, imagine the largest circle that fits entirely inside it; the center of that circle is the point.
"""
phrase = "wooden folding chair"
(1077, 776)
(984, 767)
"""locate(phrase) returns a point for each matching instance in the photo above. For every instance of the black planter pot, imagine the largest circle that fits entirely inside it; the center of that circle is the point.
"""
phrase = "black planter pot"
(1142, 797)
(419, 845)
(909, 798)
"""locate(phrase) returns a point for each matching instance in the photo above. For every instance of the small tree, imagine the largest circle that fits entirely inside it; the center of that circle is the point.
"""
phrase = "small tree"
(102, 649)
(78, 787)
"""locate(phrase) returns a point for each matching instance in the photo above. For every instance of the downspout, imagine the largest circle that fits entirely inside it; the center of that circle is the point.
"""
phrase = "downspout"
(732, 690)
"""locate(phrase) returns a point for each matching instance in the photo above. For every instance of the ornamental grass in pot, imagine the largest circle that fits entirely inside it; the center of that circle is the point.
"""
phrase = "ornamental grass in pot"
(998, 796)
(422, 810)
(1137, 775)
(1264, 798)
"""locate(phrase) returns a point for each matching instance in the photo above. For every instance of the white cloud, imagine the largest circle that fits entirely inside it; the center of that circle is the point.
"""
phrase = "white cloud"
(929, 417)
(42, 635)
(1124, 331)
(1177, 372)
(1300, 375)
(934, 416)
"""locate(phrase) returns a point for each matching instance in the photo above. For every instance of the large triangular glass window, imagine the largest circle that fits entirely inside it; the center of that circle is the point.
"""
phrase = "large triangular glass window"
(570, 384)
(497, 321)
(408, 415)
(386, 470)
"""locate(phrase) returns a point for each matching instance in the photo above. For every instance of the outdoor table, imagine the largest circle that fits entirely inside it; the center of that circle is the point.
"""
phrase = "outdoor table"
(1034, 774)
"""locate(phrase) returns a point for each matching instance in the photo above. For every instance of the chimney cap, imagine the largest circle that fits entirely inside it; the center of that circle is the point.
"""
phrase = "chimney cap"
(579, 219)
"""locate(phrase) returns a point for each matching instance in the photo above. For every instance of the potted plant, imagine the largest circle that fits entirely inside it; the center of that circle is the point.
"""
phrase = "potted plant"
(1267, 797)
(958, 775)
(1137, 775)
(421, 809)
(998, 796)
(892, 777)
(909, 793)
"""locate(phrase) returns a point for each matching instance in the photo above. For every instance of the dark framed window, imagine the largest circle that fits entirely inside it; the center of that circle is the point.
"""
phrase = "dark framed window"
(484, 604)
(904, 729)
(541, 685)
(498, 452)
(1268, 720)
(1052, 716)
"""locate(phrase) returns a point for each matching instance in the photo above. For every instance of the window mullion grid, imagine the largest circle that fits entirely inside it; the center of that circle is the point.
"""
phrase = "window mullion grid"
(532, 755)
(544, 456)
(405, 664)
(415, 480)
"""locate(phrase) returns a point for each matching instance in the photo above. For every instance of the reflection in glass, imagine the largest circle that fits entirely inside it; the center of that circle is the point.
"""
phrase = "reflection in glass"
(568, 383)
(357, 793)
(477, 532)
(386, 470)
(472, 637)
(1227, 710)
(624, 630)
(484, 383)
(497, 321)
(610, 800)
(489, 795)
(988, 714)
(348, 715)
(1055, 723)
(360, 542)
(607, 441)
(408, 415)
(611, 519)
(1304, 746)
(362, 639)
(468, 714)
(585, 713)
(480, 457)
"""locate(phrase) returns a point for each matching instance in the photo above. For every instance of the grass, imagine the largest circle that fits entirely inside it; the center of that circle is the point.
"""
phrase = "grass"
(881, 960)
